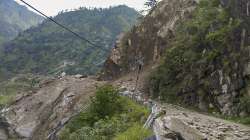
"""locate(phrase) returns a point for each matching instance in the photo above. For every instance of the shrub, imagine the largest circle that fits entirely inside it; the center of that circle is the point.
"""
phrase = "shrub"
(106, 102)
(136, 132)
(108, 115)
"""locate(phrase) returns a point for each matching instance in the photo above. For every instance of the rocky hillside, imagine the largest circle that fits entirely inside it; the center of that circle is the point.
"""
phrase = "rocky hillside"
(39, 113)
(14, 19)
(204, 53)
(149, 39)
(48, 49)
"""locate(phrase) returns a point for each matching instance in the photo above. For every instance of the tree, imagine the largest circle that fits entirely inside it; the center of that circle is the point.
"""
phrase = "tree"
(106, 102)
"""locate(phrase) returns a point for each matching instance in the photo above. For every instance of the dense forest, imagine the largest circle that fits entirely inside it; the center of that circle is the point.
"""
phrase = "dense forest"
(15, 18)
(49, 49)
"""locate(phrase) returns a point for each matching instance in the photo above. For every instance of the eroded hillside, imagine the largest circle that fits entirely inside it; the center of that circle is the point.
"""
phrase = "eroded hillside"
(204, 53)
(39, 114)
(149, 39)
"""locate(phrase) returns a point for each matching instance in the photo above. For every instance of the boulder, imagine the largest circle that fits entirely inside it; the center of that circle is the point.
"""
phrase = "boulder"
(179, 126)
(79, 76)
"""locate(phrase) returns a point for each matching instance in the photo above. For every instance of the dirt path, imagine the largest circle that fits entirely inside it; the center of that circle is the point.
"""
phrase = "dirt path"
(193, 125)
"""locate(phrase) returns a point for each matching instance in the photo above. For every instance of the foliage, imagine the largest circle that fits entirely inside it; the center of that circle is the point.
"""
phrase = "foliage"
(242, 120)
(15, 18)
(105, 125)
(5, 100)
(17, 85)
(49, 49)
(136, 132)
(106, 102)
(199, 43)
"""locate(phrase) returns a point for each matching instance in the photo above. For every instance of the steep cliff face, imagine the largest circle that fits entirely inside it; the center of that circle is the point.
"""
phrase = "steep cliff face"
(206, 53)
(148, 40)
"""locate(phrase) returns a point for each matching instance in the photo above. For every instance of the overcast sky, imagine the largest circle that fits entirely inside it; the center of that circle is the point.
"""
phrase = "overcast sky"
(52, 7)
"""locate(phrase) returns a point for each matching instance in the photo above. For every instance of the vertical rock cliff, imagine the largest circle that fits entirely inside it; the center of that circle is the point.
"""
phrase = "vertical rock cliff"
(148, 40)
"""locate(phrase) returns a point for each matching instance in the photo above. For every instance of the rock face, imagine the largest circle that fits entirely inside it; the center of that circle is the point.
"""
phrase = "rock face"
(40, 114)
(147, 41)
(3, 129)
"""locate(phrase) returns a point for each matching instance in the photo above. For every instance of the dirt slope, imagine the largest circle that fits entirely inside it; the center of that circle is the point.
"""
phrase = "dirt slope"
(36, 115)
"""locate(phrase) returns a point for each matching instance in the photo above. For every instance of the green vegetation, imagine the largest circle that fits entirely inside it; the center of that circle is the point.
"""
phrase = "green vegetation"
(203, 44)
(17, 85)
(49, 49)
(136, 132)
(15, 18)
(109, 116)
(242, 120)
(5, 100)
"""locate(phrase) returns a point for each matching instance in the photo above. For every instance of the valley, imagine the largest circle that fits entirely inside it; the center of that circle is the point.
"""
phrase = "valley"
(180, 72)
(50, 50)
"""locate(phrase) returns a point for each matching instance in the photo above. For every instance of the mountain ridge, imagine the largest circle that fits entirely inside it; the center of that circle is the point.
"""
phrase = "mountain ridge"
(15, 18)
(49, 49)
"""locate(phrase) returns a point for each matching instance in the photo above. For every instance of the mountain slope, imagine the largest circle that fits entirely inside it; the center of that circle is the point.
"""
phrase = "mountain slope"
(15, 18)
(49, 49)
(204, 52)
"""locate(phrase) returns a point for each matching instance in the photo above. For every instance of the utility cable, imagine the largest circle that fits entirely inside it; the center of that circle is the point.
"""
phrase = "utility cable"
(66, 28)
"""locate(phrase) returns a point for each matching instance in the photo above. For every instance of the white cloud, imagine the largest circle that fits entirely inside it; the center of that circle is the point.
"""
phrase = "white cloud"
(52, 7)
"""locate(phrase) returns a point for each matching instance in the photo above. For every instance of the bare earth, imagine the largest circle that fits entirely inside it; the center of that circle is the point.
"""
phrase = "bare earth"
(37, 114)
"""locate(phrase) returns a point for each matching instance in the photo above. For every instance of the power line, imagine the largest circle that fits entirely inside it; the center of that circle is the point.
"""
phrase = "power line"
(66, 28)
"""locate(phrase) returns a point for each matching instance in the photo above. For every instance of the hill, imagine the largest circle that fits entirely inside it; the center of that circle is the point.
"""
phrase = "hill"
(49, 49)
(201, 54)
(15, 18)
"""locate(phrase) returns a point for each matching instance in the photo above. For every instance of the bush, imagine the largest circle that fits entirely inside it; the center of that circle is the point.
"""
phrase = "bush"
(106, 102)
(108, 115)
(136, 132)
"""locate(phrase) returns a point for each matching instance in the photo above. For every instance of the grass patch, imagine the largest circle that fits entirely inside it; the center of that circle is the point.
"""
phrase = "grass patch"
(242, 120)
(136, 132)
(5, 100)
(12, 87)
